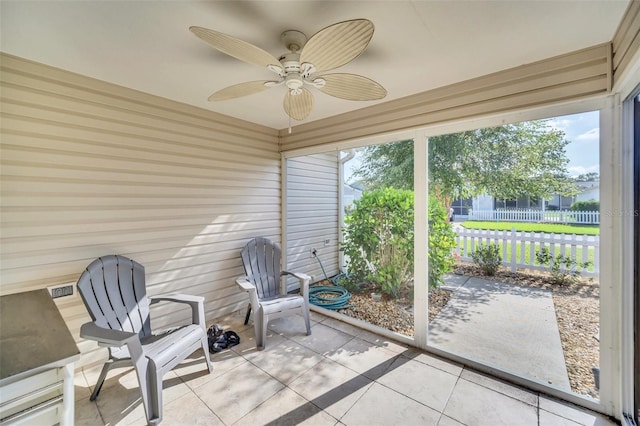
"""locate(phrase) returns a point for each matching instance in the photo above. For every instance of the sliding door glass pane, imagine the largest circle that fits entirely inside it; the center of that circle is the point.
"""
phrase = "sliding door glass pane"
(523, 294)
(377, 235)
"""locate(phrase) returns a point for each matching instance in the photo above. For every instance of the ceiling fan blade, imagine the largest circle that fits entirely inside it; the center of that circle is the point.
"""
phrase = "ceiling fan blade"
(298, 106)
(237, 48)
(337, 44)
(239, 90)
(352, 87)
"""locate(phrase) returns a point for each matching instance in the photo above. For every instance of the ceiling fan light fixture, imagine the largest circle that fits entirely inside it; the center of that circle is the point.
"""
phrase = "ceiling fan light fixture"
(294, 82)
(329, 48)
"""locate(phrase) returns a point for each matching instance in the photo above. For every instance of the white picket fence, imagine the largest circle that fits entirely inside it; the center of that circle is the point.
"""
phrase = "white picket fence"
(519, 248)
(530, 215)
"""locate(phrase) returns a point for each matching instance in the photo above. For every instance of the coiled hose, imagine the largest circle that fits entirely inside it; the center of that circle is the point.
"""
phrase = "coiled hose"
(329, 296)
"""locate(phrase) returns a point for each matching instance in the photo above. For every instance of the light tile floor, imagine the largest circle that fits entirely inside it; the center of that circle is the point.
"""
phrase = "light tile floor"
(340, 375)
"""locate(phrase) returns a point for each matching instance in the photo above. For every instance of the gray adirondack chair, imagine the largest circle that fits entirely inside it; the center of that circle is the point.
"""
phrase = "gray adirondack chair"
(113, 290)
(267, 296)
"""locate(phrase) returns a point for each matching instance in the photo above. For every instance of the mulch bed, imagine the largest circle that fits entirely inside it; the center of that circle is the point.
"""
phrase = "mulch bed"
(577, 310)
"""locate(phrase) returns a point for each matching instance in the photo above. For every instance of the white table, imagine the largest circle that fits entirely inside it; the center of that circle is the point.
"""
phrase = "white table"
(37, 353)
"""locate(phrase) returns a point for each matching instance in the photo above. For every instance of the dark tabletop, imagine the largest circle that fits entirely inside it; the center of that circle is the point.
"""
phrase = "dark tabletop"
(32, 333)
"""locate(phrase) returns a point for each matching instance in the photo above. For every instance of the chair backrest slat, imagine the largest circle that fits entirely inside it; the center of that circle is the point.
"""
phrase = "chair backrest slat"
(272, 255)
(113, 290)
(111, 275)
(132, 274)
(140, 297)
(261, 260)
(94, 293)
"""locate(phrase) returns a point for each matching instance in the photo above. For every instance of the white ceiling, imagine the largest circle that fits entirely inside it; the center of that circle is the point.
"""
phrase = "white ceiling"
(417, 45)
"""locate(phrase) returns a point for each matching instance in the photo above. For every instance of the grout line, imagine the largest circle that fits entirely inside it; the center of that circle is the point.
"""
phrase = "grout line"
(451, 393)
(501, 392)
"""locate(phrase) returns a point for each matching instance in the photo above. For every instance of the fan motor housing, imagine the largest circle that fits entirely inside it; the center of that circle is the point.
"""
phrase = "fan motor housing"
(290, 62)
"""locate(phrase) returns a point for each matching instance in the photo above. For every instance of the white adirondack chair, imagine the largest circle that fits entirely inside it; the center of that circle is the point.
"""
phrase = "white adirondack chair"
(267, 295)
(113, 290)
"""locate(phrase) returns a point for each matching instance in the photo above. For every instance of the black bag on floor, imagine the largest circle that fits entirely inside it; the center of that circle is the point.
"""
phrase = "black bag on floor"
(220, 339)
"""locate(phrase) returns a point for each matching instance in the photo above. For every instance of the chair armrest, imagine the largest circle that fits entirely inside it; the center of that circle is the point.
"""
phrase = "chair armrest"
(106, 336)
(304, 283)
(244, 284)
(175, 297)
(299, 275)
(115, 338)
(247, 286)
(303, 278)
(196, 303)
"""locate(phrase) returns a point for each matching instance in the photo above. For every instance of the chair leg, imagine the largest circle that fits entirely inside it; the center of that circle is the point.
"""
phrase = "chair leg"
(103, 374)
(264, 324)
(246, 318)
(205, 348)
(307, 321)
(260, 329)
(154, 394)
(145, 377)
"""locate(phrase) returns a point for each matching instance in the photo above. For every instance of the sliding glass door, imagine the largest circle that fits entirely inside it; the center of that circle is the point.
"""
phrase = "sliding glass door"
(636, 233)
(522, 291)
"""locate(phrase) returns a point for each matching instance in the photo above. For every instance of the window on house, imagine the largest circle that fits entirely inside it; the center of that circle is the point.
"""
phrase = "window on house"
(461, 206)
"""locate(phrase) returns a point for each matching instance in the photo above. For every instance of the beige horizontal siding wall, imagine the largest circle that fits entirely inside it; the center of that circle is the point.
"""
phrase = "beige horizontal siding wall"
(90, 168)
(312, 214)
(582, 73)
(626, 41)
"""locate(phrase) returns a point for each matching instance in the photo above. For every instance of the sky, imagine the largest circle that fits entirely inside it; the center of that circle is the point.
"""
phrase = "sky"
(581, 130)
(583, 133)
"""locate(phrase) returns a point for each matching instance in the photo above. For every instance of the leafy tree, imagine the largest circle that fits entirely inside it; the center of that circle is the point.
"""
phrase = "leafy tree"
(507, 162)
(588, 177)
(387, 166)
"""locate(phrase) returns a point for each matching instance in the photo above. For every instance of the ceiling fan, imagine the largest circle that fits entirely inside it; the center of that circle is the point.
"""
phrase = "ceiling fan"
(329, 48)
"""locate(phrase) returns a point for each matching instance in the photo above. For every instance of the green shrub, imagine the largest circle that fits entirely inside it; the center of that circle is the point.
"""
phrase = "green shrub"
(488, 258)
(378, 240)
(586, 206)
(563, 268)
(442, 241)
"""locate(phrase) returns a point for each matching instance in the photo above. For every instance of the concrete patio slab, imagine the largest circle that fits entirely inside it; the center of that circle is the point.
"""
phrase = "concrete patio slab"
(511, 327)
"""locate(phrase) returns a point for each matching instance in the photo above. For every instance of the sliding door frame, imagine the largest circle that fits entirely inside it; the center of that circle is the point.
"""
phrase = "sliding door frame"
(610, 318)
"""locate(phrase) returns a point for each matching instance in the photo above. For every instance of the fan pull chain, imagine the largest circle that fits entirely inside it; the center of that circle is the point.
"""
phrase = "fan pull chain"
(289, 116)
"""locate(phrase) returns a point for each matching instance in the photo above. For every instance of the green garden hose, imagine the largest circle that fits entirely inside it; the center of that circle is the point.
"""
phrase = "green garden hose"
(329, 296)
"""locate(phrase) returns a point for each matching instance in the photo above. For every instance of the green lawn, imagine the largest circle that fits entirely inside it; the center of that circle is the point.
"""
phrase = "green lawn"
(550, 228)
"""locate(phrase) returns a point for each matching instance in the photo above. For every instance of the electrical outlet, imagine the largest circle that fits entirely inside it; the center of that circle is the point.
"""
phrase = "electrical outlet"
(61, 291)
(313, 252)
(327, 242)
